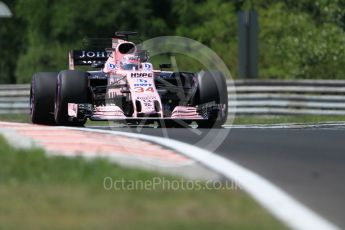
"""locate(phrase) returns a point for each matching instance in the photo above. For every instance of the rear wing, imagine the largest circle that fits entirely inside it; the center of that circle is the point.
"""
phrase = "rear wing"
(87, 57)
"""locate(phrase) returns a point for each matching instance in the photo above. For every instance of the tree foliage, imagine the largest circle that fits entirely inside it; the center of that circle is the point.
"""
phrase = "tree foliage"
(297, 39)
(293, 45)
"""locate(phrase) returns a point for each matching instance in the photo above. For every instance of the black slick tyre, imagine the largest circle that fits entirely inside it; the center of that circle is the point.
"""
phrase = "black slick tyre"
(212, 88)
(42, 94)
(71, 87)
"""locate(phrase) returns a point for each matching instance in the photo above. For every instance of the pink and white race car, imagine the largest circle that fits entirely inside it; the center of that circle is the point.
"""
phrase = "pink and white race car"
(127, 88)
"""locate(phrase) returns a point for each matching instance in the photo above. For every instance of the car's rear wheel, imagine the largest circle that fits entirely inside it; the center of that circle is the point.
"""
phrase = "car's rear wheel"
(42, 94)
(212, 88)
(71, 87)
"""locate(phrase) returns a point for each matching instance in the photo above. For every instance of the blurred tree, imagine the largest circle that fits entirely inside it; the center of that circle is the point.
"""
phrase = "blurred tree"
(321, 11)
(54, 27)
(12, 37)
(294, 44)
(213, 23)
(303, 39)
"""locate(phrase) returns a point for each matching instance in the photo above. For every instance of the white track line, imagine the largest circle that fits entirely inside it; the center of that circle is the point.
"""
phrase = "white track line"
(279, 203)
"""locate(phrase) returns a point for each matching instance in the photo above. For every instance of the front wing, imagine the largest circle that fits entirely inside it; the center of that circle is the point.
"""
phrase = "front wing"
(114, 113)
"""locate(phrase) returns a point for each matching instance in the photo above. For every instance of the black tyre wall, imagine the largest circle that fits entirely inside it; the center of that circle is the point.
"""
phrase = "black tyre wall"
(42, 94)
(72, 87)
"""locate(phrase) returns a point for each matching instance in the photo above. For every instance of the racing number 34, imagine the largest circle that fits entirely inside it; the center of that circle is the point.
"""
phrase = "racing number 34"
(142, 89)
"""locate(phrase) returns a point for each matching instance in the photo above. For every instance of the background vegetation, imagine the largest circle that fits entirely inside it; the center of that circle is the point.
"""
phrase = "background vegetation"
(298, 39)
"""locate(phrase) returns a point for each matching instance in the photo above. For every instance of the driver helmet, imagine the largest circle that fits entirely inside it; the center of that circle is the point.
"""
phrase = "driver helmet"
(130, 62)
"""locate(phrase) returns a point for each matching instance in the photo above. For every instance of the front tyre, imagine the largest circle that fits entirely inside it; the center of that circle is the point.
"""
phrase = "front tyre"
(71, 87)
(212, 88)
(42, 94)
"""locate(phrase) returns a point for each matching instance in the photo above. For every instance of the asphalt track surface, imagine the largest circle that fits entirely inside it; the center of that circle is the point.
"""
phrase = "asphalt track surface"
(307, 163)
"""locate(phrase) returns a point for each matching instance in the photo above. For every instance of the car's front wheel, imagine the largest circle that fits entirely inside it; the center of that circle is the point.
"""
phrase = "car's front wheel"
(42, 94)
(71, 87)
(212, 88)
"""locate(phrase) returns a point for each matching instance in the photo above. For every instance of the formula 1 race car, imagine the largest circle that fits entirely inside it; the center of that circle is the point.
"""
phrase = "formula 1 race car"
(127, 88)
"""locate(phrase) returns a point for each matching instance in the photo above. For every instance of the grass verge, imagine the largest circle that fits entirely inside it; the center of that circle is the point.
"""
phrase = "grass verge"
(25, 118)
(40, 192)
(15, 117)
(245, 120)
(239, 120)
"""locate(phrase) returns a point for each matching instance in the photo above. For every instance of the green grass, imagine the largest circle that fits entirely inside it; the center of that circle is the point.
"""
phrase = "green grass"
(15, 117)
(25, 118)
(239, 120)
(40, 192)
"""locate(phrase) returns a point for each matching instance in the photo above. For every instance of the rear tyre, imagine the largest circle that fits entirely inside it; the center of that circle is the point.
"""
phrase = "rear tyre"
(42, 94)
(71, 87)
(212, 88)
